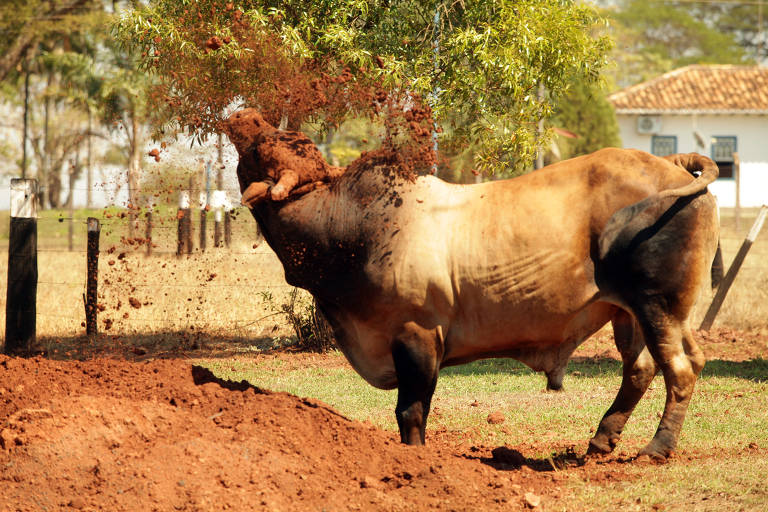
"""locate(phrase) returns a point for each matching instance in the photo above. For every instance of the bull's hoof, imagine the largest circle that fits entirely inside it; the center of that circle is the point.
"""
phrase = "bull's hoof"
(601, 445)
(655, 452)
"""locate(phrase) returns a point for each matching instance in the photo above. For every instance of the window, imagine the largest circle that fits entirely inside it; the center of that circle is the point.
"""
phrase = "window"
(723, 149)
(663, 145)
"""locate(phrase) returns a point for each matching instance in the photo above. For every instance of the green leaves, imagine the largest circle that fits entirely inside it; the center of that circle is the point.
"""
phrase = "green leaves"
(483, 84)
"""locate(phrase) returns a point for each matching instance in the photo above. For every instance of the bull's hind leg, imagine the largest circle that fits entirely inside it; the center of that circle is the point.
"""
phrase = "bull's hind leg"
(670, 342)
(416, 352)
(638, 372)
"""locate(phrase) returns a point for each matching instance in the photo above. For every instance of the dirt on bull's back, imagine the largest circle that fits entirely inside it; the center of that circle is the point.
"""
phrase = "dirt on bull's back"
(164, 435)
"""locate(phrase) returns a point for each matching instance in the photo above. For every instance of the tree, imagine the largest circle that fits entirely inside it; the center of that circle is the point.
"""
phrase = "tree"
(44, 39)
(656, 36)
(585, 111)
(481, 85)
(78, 66)
(25, 23)
(745, 22)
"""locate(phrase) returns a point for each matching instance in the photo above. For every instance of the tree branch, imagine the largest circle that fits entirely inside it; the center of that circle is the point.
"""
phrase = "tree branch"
(29, 37)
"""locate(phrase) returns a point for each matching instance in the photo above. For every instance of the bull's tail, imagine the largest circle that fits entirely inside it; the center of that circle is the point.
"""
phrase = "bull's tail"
(626, 223)
(693, 163)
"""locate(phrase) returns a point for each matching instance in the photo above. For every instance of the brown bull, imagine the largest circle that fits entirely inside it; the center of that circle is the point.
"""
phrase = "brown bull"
(417, 275)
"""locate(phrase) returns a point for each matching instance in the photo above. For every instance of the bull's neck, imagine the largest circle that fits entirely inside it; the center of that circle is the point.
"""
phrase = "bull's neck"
(319, 238)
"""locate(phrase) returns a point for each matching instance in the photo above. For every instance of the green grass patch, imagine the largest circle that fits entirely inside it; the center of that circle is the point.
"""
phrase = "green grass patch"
(716, 469)
(727, 411)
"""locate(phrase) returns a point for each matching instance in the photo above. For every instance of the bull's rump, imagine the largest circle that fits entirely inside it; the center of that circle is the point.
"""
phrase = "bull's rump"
(510, 264)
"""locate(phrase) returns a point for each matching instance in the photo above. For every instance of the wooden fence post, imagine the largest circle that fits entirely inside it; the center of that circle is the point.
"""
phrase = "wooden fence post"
(227, 228)
(92, 280)
(217, 227)
(219, 196)
(21, 298)
(71, 210)
(131, 222)
(205, 205)
(203, 233)
(737, 182)
(185, 223)
(218, 201)
(722, 290)
(203, 221)
(148, 231)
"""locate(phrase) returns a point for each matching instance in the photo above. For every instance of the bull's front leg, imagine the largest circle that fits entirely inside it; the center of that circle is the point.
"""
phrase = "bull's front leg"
(416, 353)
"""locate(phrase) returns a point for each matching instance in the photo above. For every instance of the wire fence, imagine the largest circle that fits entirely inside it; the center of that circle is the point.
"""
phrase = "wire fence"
(230, 292)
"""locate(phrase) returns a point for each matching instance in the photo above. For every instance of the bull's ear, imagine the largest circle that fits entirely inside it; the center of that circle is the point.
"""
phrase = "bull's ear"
(255, 192)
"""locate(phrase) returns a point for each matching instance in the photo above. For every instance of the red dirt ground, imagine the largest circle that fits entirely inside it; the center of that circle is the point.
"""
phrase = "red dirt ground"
(109, 434)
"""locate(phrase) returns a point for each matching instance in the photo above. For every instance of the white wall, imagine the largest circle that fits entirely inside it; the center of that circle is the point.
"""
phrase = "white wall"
(751, 132)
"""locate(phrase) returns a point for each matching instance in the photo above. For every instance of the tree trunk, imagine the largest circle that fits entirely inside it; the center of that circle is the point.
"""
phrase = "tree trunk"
(54, 187)
(25, 136)
(89, 178)
(134, 163)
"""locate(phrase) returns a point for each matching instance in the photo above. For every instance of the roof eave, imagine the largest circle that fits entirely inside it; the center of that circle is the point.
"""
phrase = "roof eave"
(656, 111)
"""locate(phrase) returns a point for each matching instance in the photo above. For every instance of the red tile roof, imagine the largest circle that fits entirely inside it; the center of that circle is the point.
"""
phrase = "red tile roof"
(698, 89)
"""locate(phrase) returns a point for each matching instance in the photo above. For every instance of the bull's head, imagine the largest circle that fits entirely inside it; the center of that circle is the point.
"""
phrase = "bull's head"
(245, 128)
(274, 164)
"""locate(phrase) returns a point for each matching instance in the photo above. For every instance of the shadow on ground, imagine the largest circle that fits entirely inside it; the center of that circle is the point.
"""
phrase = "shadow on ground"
(194, 345)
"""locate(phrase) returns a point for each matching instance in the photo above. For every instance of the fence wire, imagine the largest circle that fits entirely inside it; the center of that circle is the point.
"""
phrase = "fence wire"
(237, 289)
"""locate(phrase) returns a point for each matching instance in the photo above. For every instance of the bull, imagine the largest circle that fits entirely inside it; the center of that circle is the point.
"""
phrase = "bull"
(418, 274)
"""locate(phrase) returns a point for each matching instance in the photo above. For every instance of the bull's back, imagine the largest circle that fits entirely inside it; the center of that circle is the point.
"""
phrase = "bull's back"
(511, 263)
(501, 266)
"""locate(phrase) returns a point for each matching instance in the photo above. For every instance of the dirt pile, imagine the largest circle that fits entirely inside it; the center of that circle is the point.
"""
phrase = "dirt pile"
(164, 435)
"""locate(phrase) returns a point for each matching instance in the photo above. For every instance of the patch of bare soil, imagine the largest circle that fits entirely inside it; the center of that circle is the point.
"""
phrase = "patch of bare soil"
(163, 435)
(721, 343)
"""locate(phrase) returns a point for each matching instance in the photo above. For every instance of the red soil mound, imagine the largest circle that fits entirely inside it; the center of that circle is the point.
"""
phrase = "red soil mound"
(164, 435)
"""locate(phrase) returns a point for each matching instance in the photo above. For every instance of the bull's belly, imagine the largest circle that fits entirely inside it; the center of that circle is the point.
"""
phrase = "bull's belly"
(518, 334)
(542, 341)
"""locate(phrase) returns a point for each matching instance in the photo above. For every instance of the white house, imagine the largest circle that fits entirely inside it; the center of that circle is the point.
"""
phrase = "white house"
(717, 111)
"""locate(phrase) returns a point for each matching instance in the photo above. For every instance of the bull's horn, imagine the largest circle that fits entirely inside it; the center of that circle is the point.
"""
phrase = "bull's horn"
(255, 192)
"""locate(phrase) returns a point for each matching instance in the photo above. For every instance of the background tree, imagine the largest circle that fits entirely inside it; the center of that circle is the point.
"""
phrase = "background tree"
(481, 84)
(26, 23)
(80, 80)
(745, 22)
(656, 36)
(585, 111)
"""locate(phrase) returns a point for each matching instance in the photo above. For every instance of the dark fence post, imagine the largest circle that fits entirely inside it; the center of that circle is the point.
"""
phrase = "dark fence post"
(219, 194)
(71, 210)
(148, 232)
(203, 219)
(21, 298)
(227, 228)
(205, 205)
(131, 222)
(185, 223)
(737, 182)
(725, 285)
(217, 227)
(92, 283)
(218, 202)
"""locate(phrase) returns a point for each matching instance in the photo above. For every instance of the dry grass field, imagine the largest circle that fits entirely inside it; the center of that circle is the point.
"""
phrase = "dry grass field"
(236, 292)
